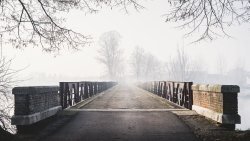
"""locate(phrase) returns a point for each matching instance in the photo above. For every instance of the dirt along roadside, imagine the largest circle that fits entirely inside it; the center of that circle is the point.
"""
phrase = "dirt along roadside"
(208, 130)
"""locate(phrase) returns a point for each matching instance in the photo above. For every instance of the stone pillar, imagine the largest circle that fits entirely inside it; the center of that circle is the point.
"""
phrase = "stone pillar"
(33, 104)
(217, 102)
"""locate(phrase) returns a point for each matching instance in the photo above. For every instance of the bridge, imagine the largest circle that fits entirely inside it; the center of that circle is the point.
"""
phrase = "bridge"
(94, 111)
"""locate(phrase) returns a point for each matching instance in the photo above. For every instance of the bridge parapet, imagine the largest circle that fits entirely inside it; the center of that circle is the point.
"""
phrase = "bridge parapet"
(179, 93)
(73, 92)
(35, 103)
(217, 102)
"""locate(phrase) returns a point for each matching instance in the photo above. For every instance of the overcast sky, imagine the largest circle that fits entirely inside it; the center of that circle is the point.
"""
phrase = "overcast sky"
(146, 29)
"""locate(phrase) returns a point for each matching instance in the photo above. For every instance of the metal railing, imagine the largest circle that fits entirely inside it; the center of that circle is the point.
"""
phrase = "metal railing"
(73, 92)
(179, 93)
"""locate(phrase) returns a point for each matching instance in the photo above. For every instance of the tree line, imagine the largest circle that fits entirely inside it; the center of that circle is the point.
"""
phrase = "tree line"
(144, 66)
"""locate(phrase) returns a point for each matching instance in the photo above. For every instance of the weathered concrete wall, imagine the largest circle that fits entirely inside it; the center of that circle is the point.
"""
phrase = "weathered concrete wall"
(217, 102)
(33, 104)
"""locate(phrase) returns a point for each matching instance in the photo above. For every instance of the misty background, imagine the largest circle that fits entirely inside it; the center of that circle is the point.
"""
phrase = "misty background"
(149, 49)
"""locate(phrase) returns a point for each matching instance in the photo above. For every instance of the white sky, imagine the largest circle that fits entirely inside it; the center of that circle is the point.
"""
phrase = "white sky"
(146, 29)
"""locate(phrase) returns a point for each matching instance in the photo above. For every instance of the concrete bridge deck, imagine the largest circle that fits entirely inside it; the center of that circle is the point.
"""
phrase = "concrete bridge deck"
(124, 113)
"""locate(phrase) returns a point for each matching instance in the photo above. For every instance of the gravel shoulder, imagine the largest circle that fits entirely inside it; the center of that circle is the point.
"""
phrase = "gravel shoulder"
(208, 130)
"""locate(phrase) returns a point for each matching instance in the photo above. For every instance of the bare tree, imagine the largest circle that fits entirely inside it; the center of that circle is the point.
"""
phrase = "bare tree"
(221, 65)
(238, 75)
(110, 54)
(137, 60)
(181, 67)
(151, 69)
(207, 16)
(145, 66)
(6, 99)
(37, 22)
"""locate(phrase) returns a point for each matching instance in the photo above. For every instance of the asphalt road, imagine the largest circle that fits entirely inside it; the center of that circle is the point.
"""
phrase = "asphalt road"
(98, 121)
(128, 97)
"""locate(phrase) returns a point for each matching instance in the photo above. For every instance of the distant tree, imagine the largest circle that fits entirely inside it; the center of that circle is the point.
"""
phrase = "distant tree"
(221, 65)
(38, 22)
(238, 75)
(151, 69)
(207, 16)
(145, 66)
(181, 67)
(110, 53)
(137, 60)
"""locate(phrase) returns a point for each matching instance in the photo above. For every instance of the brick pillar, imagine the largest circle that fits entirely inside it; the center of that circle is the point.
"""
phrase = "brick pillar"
(217, 102)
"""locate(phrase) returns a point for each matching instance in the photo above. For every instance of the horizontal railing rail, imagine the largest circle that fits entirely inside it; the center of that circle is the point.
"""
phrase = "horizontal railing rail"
(73, 92)
(179, 93)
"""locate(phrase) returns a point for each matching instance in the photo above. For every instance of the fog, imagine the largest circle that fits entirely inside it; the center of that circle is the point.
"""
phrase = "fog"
(221, 61)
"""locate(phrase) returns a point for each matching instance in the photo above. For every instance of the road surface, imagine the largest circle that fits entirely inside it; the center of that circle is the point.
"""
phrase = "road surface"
(124, 113)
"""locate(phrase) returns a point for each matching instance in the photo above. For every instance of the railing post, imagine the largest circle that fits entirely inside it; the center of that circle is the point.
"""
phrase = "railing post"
(81, 91)
(61, 93)
(160, 89)
(95, 88)
(155, 87)
(164, 90)
(190, 94)
(66, 95)
(90, 89)
(86, 91)
(77, 93)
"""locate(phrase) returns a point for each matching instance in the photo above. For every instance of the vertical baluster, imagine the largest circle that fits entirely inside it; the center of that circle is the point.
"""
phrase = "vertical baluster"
(86, 94)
